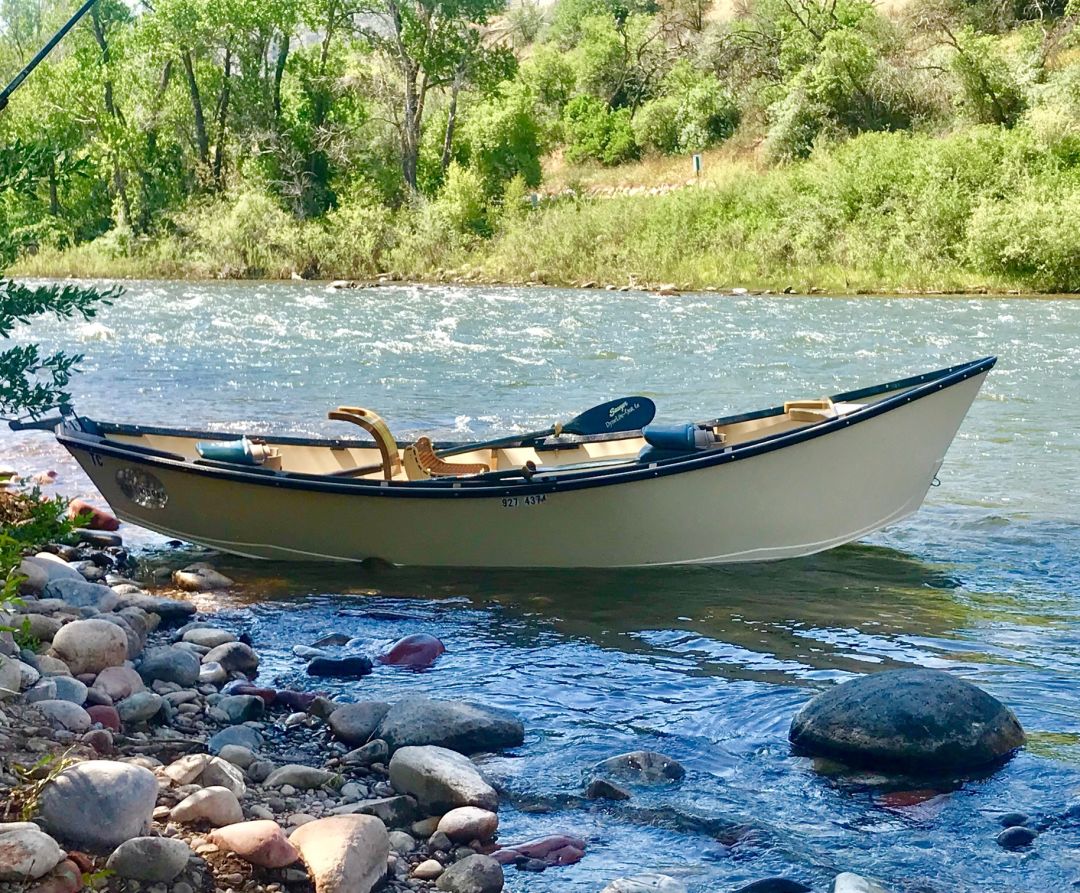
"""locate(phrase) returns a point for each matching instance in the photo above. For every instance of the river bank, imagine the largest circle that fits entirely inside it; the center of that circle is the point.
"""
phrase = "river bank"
(134, 699)
(135, 731)
(706, 665)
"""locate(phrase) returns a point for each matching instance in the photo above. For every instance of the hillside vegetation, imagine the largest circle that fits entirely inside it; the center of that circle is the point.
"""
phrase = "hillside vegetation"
(935, 145)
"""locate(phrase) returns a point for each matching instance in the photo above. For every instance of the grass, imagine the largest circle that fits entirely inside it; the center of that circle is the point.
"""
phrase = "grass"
(981, 211)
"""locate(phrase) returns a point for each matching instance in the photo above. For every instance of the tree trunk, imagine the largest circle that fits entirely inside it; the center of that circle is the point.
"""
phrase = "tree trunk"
(119, 183)
(222, 116)
(54, 199)
(451, 118)
(279, 71)
(410, 129)
(202, 141)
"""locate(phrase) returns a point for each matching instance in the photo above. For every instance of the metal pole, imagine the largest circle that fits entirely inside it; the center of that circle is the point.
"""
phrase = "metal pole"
(45, 50)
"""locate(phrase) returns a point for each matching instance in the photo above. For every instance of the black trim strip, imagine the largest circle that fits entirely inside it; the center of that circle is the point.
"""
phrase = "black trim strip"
(916, 387)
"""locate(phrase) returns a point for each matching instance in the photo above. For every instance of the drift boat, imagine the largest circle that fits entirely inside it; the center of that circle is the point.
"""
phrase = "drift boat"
(609, 491)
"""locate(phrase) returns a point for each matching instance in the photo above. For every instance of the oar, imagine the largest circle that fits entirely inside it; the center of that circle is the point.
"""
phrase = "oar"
(624, 414)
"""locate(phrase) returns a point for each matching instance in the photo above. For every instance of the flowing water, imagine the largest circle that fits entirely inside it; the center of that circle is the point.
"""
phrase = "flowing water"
(707, 665)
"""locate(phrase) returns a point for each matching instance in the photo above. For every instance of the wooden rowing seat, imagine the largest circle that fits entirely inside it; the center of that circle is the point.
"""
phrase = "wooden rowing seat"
(810, 410)
(421, 463)
(373, 423)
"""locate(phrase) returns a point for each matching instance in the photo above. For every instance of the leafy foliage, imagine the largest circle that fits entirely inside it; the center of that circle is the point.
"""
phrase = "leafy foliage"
(31, 382)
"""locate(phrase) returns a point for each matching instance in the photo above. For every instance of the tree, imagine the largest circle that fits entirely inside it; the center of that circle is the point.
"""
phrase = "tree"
(30, 382)
(429, 43)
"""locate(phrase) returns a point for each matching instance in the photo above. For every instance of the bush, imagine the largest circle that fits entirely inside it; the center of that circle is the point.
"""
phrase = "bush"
(1033, 237)
(354, 239)
(693, 113)
(246, 234)
(500, 139)
(594, 131)
(461, 203)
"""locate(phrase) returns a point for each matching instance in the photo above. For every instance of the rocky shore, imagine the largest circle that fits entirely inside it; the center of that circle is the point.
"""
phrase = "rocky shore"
(139, 753)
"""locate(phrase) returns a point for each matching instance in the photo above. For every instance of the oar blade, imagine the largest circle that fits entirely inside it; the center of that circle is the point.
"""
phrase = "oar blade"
(624, 414)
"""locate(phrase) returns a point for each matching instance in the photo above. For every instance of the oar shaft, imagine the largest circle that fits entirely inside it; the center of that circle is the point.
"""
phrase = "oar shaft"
(43, 52)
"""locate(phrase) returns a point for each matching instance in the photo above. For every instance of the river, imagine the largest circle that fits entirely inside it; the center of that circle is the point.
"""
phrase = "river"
(707, 665)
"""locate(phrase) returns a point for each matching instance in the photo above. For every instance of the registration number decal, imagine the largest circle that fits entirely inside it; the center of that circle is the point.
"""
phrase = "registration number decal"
(513, 502)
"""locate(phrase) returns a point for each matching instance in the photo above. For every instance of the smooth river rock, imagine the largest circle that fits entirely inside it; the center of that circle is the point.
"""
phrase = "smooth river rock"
(98, 804)
(234, 657)
(261, 843)
(355, 723)
(10, 677)
(473, 874)
(343, 854)
(118, 682)
(170, 664)
(65, 715)
(27, 853)
(153, 859)
(457, 725)
(915, 720)
(215, 806)
(89, 646)
(301, 777)
(81, 594)
(468, 823)
(440, 779)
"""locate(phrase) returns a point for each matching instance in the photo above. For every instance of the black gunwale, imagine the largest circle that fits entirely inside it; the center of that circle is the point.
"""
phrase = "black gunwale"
(911, 389)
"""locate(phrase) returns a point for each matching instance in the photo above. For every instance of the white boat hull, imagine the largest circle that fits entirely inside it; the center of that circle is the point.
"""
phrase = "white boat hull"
(787, 501)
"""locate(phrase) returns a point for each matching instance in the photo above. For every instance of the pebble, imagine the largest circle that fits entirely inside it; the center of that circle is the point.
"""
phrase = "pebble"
(428, 870)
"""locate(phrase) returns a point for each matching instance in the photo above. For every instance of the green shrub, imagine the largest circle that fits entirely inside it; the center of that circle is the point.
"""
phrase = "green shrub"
(500, 139)
(693, 112)
(1033, 237)
(594, 131)
(246, 234)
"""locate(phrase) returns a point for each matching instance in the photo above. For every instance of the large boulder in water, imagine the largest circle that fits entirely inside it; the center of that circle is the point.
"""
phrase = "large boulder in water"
(458, 725)
(912, 720)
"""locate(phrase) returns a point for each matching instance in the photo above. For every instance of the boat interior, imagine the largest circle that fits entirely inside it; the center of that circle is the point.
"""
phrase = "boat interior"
(380, 457)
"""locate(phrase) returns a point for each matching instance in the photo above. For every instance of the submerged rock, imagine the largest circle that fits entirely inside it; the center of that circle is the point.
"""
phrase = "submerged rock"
(919, 720)
(853, 883)
(1016, 837)
(775, 885)
(643, 766)
(417, 652)
(649, 882)
(457, 725)
(340, 667)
